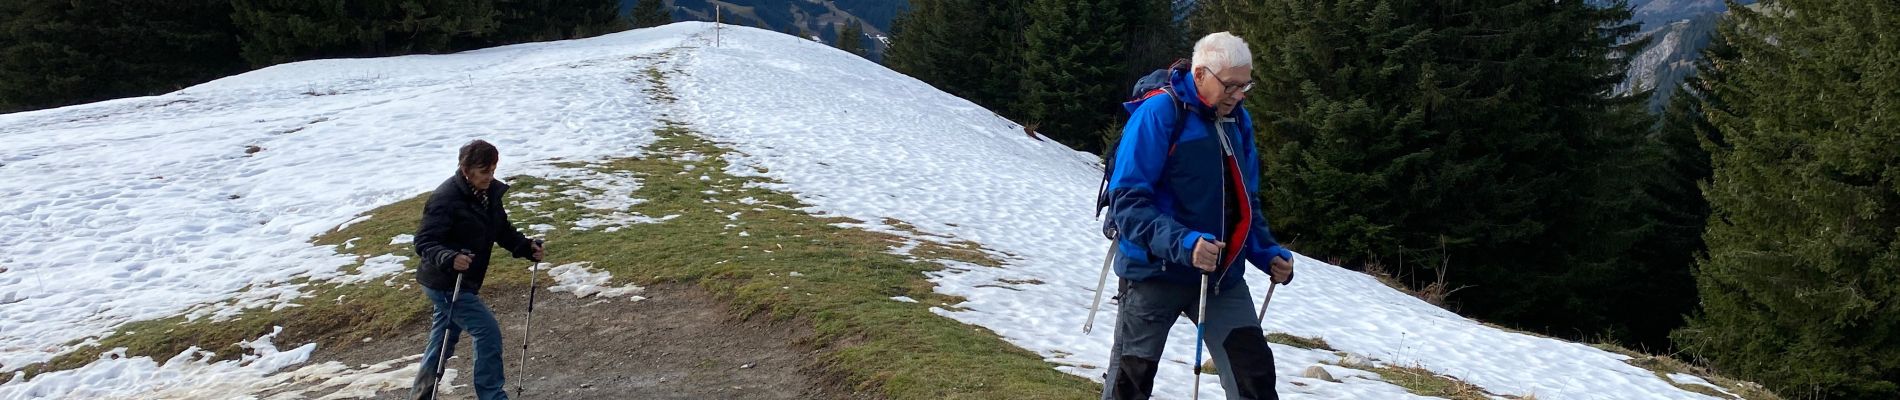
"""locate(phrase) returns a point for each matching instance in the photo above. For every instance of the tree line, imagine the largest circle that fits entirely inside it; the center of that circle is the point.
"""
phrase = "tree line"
(57, 53)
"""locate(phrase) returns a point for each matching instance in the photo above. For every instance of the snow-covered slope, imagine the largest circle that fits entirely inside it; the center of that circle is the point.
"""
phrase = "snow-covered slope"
(859, 140)
(149, 207)
(140, 208)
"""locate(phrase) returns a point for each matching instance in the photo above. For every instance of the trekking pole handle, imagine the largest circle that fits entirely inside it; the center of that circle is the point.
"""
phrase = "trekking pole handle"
(464, 252)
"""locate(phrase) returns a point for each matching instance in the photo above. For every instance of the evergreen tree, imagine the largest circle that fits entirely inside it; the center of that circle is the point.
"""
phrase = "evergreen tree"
(851, 37)
(651, 13)
(279, 31)
(66, 52)
(1673, 214)
(57, 53)
(1072, 67)
(1153, 39)
(1802, 278)
(521, 21)
(982, 51)
(968, 48)
(919, 38)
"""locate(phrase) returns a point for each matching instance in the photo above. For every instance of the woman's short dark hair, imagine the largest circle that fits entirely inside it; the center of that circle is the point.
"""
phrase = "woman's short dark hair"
(478, 154)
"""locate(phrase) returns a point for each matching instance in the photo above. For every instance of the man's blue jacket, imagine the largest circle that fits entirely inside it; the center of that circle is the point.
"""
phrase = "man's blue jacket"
(1166, 196)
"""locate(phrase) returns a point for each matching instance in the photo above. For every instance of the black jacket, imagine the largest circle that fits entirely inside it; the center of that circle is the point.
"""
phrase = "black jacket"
(454, 221)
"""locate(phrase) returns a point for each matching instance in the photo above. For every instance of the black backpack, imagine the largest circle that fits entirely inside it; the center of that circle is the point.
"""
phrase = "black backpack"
(1156, 83)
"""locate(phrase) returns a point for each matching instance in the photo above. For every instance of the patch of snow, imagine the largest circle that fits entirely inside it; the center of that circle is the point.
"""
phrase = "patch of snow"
(375, 267)
(190, 374)
(352, 221)
(582, 281)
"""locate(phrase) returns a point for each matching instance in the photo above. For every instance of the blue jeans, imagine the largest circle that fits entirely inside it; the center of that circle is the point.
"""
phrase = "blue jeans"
(1232, 335)
(470, 315)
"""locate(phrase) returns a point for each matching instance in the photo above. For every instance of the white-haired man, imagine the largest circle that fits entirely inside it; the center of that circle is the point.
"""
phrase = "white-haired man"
(1183, 199)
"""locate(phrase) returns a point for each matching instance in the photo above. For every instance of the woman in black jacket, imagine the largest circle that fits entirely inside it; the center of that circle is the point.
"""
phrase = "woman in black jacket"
(461, 224)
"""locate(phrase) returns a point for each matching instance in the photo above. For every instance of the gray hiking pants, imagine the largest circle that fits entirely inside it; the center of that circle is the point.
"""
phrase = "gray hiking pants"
(1233, 336)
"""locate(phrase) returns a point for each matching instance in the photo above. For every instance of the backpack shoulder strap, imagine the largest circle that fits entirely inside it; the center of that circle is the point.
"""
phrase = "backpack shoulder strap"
(1174, 136)
(1180, 120)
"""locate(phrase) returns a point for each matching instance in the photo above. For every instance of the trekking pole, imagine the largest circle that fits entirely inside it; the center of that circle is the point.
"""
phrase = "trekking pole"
(1200, 330)
(1108, 262)
(527, 323)
(442, 353)
(1269, 299)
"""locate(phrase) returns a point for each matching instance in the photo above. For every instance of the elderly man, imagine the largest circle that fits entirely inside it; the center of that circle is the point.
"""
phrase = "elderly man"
(1186, 208)
(461, 224)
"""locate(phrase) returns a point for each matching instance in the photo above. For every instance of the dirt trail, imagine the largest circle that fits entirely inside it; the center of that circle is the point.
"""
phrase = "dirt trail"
(680, 343)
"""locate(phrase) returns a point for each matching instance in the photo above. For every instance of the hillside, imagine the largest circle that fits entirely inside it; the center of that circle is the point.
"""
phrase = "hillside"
(925, 247)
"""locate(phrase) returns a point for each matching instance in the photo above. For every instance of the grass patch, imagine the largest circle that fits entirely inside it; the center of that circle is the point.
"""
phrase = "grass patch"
(1663, 365)
(1420, 381)
(1519, 331)
(965, 252)
(658, 90)
(1208, 368)
(1299, 341)
(867, 343)
(944, 248)
(1379, 272)
(846, 279)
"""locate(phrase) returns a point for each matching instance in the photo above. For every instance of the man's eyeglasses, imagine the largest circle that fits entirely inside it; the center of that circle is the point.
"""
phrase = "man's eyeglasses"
(1229, 88)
